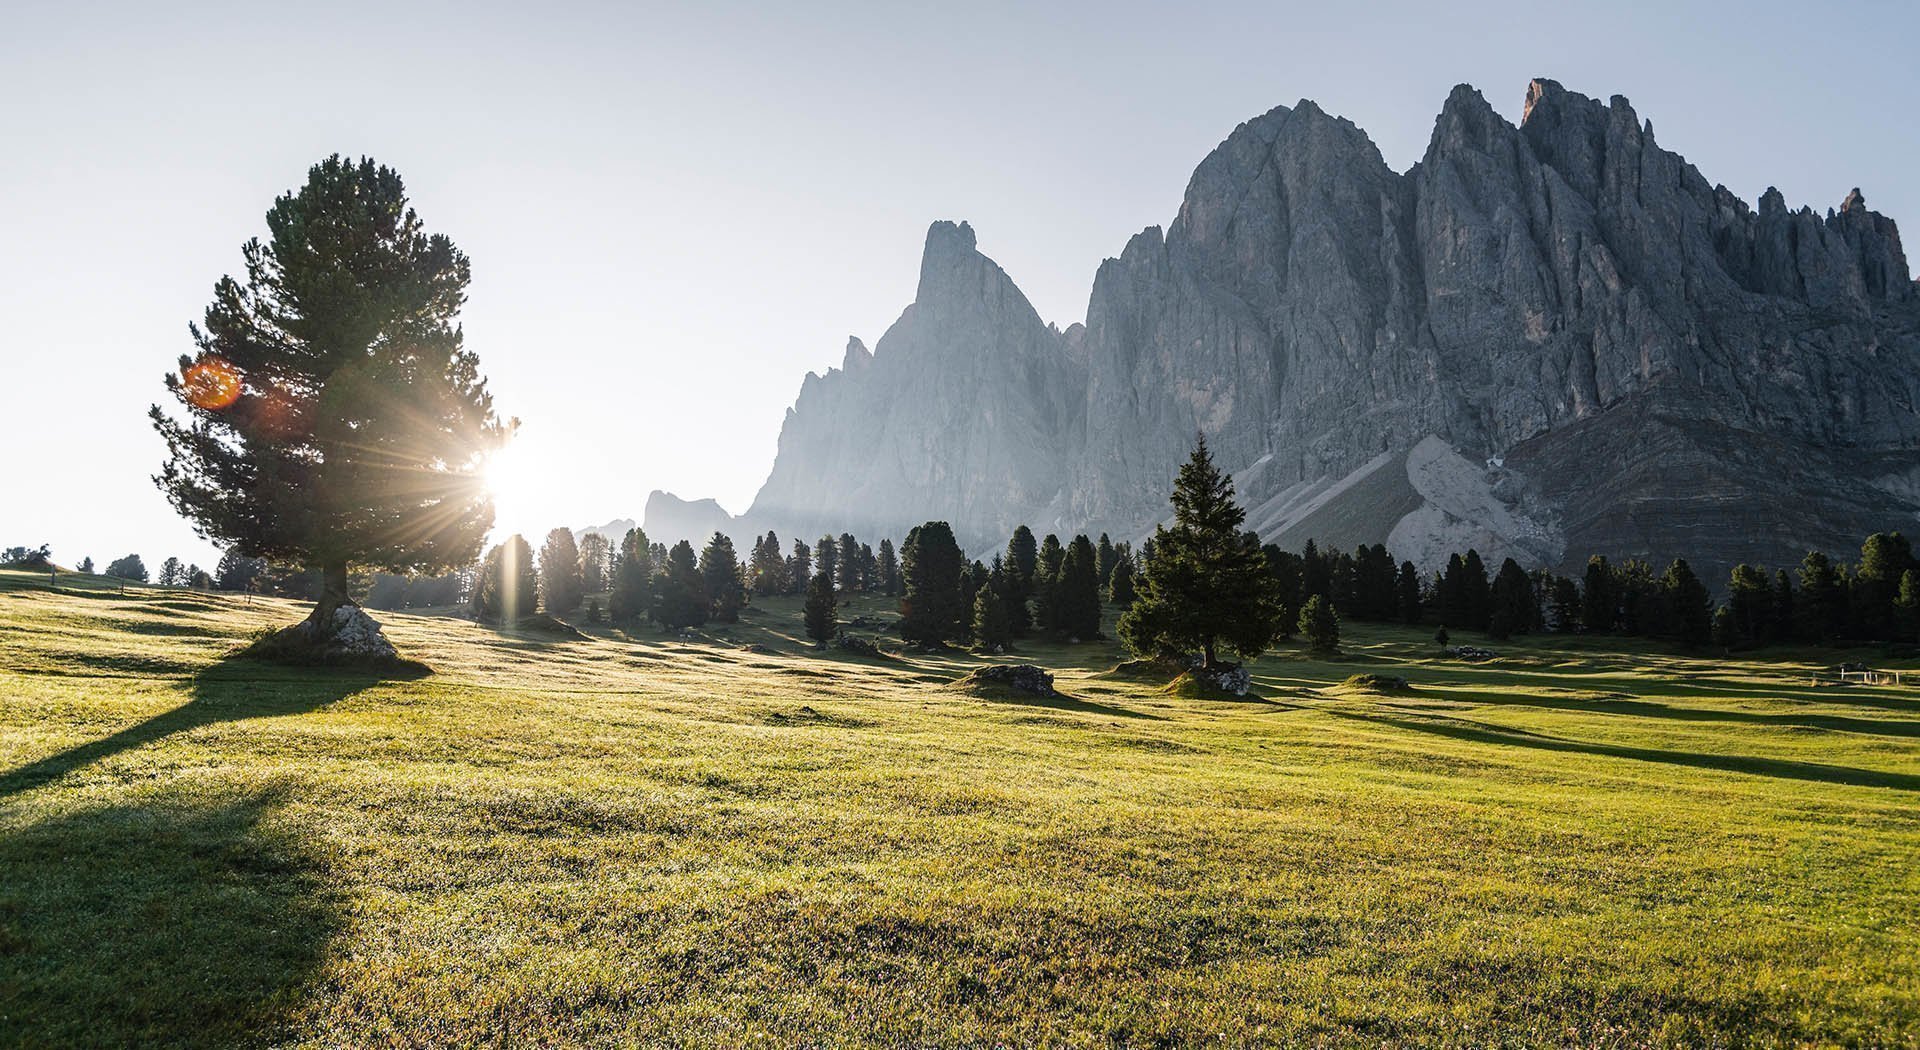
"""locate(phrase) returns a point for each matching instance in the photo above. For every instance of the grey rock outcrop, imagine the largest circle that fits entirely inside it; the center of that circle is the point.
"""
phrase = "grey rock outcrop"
(1547, 339)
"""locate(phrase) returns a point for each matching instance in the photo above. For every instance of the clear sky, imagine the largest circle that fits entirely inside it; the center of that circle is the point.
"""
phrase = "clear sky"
(674, 213)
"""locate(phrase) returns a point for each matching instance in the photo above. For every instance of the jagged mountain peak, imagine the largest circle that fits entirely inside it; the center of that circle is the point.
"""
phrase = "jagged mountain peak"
(1645, 365)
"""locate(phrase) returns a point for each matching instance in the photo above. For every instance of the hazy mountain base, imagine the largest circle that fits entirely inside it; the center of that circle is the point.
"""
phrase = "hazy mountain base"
(624, 839)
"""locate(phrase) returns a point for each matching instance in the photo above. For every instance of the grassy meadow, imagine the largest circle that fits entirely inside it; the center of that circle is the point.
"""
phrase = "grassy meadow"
(621, 839)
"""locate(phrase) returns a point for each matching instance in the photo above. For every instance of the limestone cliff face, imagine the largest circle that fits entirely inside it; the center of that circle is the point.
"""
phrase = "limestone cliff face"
(1554, 338)
(949, 417)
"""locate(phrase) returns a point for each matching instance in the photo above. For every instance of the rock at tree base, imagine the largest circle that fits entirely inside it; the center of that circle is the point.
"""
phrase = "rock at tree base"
(350, 638)
(1230, 682)
(1019, 678)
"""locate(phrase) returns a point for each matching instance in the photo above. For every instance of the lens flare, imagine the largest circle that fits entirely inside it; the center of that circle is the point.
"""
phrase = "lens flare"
(211, 383)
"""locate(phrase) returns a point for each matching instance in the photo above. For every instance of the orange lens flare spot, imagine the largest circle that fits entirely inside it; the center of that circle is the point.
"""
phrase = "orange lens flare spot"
(212, 384)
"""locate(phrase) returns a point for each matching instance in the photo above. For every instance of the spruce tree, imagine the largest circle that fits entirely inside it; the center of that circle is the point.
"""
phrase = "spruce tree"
(1046, 578)
(680, 591)
(1689, 607)
(1822, 603)
(720, 571)
(821, 612)
(1120, 591)
(1320, 625)
(1566, 605)
(1512, 601)
(930, 568)
(560, 585)
(1407, 593)
(1599, 600)
(826, 558)
(1077, 592)
(332, 414)
(1023, 560)
(1750, 604)
(848, 562)
(509, 586)
(889, 569)
(1315, 573)
(595, 557)
(800, 567)
(1208, 587)
(991, 631)
(1108, 557)
(172, 573)
(1786, 621)
(631, 595)
(1906, 605)
(1285, 569)
(1884, 558)
(1476, 594)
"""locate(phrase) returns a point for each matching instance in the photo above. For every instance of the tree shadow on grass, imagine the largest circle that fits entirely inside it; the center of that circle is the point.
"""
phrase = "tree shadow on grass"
(1650, 709)
(230, 691)
(1481, 732)
(169, 923)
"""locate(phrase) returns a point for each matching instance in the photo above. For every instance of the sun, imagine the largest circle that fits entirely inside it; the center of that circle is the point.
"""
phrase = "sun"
(517, 485)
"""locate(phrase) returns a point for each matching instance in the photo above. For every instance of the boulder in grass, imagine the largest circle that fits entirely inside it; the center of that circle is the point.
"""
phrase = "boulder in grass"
(1379, 683)
(347, 638)
(1006, 679)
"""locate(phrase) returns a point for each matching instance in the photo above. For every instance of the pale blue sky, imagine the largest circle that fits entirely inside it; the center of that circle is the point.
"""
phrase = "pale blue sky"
(675, 212)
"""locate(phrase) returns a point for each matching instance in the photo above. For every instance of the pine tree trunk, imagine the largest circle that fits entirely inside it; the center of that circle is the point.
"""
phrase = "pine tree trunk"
(333, 595)
(1207, 660)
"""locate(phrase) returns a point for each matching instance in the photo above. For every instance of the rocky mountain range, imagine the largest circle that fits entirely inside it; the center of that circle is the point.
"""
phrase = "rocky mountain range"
(1544, 341)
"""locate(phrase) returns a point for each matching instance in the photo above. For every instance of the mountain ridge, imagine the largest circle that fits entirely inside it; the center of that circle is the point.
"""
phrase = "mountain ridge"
(1611, 351)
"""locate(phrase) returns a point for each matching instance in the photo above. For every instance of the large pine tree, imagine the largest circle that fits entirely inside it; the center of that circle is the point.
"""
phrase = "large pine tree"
(332, 415)
(632, 592)
(1207, 587)
(720, 569)
(508, 587)
(679, 591)
(931, 611)
(1076, 599)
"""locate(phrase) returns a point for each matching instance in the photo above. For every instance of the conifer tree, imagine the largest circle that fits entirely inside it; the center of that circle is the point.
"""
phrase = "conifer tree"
(1476, 594)
(1407, 593)
(594, 562)
(1320, 625)
(720, 571)
(1286, 570)
(826, 558)
(1884, 558)
(821, 612)
(1786, 620)
(1023, 561)
(332, 415)
(560, 585)
(1208, 587)
(1511, 600)
(1599, 600)
(1108, 557)
(1750, 604)
(1315, 573)
(889, 569)
(930, 568)
(1077, 592)
(631, 596)
(1046, 578)
(1906, 605)
(680, 591)
(508, 587)
(1822, 602)
(172, 573)
(1689, 605)
(800, 566)
(1120, 590)
(86, 565)
(1566, 605)
(848, 562)
(991, 631)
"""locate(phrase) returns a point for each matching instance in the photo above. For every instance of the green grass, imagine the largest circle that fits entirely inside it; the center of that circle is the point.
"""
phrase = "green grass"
(617, 839)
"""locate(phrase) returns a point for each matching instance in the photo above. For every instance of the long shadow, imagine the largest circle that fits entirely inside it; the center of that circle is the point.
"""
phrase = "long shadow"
(1649, 709)
(230, 691)
(1480, 732)
(166, 923)
(1061, 702)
